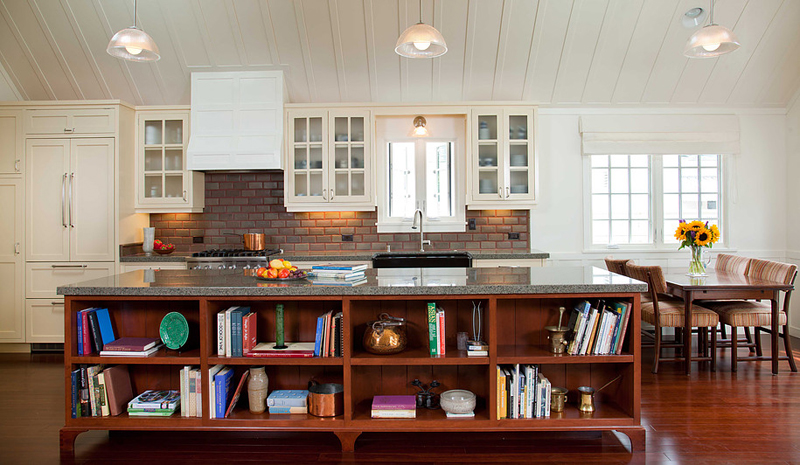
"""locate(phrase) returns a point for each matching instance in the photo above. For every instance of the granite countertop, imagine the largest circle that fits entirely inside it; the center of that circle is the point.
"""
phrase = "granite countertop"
(345, 255)
(385, 281)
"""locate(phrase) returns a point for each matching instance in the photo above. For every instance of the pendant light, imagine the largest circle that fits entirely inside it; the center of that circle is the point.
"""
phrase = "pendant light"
(133, 44)
(421, 41)
(419, 127)
(712, 40)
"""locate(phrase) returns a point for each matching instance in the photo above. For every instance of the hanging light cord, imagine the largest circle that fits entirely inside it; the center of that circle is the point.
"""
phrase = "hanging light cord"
(420, 11)
(711, 14)
(134, 14)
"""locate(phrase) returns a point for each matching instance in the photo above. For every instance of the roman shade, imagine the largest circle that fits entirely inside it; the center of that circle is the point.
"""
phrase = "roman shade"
(659, 134)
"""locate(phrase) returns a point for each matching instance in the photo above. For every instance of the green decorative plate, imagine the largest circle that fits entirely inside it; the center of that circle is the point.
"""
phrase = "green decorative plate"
(174, 330)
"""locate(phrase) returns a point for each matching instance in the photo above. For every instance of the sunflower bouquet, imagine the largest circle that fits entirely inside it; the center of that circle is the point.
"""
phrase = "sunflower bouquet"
(696, 235)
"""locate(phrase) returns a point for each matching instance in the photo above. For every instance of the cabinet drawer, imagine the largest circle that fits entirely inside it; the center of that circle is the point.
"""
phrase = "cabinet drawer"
(78, 121)
(43, 278)
(44, 320)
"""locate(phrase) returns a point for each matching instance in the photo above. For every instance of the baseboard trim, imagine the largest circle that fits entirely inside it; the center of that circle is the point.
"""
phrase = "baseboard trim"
(15, 348)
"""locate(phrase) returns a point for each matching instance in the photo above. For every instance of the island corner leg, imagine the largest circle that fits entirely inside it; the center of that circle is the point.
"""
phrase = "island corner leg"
(348, 439)
(637, 436)
(66, 438)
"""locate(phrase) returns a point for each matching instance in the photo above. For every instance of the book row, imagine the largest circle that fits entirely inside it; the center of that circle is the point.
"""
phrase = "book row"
(522, 392)
(598, 329)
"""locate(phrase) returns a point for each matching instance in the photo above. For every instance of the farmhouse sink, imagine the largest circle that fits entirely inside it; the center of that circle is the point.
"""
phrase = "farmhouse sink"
(422, 260)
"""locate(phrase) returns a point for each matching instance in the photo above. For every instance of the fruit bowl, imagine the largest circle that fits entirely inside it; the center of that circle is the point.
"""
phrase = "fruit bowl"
(164, 251)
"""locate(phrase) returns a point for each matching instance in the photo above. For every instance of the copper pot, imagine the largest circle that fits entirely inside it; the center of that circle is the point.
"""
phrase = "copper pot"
(325, 400)
(254, 241)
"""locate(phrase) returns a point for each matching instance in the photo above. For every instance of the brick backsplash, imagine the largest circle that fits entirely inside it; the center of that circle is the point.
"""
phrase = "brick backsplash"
(253, 202)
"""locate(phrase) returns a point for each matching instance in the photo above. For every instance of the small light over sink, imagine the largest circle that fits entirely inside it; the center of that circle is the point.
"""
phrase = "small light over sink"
(444, 259)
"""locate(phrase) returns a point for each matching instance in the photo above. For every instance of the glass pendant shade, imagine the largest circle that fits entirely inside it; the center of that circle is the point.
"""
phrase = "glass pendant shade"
(133, 44)
(711, 41)
(419, 127)
(421, 41)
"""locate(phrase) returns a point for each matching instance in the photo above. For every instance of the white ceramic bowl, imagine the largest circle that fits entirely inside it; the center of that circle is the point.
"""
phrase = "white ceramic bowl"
(457, 401)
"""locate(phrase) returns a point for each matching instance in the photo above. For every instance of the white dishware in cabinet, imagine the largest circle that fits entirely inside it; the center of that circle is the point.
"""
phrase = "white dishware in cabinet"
(502, 172)
(70, 199)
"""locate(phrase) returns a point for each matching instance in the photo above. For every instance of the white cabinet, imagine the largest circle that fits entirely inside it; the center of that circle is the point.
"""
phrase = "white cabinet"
(12, 322)
(70, 200)
(329, 161)
(502, 171)
(47, 121)
(43, 278)
(11, 143)
(164, 184)
(44, 320)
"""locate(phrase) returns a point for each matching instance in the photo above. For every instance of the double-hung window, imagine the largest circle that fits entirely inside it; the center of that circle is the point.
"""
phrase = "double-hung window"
(638, 200)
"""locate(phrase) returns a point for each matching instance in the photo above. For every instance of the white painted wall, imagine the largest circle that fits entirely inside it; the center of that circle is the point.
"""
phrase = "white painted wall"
(793, 202)
(757, 184)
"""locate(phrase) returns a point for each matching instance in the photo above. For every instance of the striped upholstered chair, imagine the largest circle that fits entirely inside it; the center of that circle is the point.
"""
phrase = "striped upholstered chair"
(734, 264)
(663, 311)
(617, 265)
(745, 313)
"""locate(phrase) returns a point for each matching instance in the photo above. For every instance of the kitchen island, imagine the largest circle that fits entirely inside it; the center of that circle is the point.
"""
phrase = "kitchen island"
(517, 304)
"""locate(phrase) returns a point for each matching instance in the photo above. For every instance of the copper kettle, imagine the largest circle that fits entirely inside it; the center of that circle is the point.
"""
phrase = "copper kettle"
(386, 335)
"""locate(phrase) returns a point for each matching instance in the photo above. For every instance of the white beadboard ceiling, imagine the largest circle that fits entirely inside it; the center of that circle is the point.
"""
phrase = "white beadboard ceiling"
(559, 52)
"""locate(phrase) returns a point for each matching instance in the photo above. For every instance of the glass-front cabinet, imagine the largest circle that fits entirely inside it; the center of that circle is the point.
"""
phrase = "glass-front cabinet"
(328, 160)
(502, 169)
(163, 184)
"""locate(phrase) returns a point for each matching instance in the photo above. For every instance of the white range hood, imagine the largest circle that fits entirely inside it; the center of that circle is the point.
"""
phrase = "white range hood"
(237, 121)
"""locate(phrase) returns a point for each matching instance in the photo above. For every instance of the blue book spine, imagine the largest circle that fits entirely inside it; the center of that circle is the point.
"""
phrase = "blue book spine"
(74, 377)
(80, 332)
(236, 330)
(222, 384)
(106, 331)
(318, 337)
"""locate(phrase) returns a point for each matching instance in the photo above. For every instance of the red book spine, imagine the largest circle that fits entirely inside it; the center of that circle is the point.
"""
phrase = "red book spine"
(441, 333)
(87, 341)
(249, 338)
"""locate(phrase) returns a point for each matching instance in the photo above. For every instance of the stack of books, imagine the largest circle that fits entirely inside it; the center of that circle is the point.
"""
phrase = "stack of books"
(131, 347)
(292, 350)
(477, 349)
(436, 331)
(219, 389)
(286, 401)
(94, 330)
(191, 392)
(522, 392)
(394, 407)
(100, 392)
(329, 340)
(153, 403)
(338, 274)
(236, 332)
(598, 329)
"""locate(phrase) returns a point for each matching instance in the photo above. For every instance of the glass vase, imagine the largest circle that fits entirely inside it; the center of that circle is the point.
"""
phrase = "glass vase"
(257, 389)
(149, 235)
(697, 265)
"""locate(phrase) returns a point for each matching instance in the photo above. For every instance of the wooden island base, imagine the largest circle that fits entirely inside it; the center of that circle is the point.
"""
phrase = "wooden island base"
(513, 327)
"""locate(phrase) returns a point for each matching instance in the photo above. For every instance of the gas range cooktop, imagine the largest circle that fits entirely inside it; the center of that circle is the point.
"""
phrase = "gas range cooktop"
(230, 259)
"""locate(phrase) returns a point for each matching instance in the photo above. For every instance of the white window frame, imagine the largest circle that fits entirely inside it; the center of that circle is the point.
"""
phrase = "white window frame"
(663, 241)
(456, 223)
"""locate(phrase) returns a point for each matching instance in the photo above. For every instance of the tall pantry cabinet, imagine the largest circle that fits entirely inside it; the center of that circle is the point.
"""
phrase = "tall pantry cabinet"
(74, 205)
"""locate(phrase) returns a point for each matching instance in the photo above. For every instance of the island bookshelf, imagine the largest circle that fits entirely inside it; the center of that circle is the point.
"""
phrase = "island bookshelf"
(513, 328)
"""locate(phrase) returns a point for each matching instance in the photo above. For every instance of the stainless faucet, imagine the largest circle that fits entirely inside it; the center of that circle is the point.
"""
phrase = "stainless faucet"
(418, 224)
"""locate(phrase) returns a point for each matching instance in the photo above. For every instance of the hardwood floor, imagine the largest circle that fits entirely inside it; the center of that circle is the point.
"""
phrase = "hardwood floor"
(746, 417)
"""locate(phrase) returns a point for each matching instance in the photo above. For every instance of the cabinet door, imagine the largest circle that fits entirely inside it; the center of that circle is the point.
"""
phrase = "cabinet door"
(12, 309)
(519, 155)
(488, 141)
(43, 278)
(44, 320)
(91, 195)
(349, 157)
(46, 207)
(306, 178)
(70, 121)
(11, 145)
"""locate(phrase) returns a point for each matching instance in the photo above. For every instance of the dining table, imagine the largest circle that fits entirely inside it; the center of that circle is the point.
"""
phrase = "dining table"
(724, 286)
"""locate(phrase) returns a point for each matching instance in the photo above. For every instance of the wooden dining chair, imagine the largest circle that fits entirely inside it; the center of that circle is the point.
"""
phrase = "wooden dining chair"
(664, 311)
(758, 315)
(734, 264)
(617, 265)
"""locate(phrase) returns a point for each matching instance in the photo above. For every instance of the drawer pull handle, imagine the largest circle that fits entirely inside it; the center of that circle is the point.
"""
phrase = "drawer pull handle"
(69, 266)
(69, 130)
(56, 303)
(16, 165)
